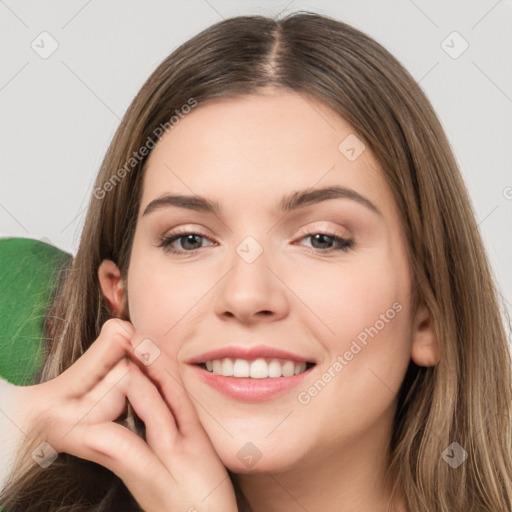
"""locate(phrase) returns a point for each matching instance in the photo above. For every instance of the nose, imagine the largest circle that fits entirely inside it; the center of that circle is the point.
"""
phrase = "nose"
(251, 292)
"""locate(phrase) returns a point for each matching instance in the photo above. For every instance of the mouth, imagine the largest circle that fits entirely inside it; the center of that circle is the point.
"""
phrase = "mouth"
(253, 380)
(260, 368)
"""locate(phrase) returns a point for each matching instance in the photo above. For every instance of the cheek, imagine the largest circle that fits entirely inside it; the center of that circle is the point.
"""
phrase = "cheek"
(154, 301)
(354, 301)
(367, 310)
(368, 354)
(165, 300)
(374, 304)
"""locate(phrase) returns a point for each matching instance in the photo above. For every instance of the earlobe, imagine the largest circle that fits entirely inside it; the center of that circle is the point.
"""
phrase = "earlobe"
(112, 286)
(425, 349)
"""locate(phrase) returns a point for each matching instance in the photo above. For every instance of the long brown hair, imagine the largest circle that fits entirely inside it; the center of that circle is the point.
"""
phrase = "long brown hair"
(466, 398)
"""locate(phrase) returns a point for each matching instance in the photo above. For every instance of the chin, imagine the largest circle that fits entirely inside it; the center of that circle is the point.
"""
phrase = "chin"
(254, 458)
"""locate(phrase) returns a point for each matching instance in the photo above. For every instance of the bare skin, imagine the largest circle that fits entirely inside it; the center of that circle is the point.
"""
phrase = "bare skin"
(328, 450)
(74, 412)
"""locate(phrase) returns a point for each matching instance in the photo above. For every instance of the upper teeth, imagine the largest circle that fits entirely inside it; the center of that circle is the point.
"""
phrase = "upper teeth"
(258, 369)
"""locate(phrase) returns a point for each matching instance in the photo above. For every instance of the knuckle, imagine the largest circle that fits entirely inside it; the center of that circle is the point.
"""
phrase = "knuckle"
(128, 372)
(116, 330)
(117, 374)
(109, 328)
(124, 366)
(106, 442)
(91, 440)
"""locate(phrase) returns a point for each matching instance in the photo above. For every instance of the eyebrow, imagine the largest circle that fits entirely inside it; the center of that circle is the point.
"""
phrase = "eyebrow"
(287, 204)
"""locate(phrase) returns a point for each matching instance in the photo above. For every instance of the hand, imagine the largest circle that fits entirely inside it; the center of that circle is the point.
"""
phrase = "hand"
(176, 468)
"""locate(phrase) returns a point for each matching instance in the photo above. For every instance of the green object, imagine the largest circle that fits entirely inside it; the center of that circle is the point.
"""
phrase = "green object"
(28, 276)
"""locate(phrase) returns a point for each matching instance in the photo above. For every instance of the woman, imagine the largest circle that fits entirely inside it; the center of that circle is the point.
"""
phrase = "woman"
(281, 272)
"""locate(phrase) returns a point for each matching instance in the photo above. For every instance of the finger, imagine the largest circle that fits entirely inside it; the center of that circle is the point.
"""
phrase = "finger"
(165, 373)
(128, 456)
(112, 344)
(108, 400)
(161, 429)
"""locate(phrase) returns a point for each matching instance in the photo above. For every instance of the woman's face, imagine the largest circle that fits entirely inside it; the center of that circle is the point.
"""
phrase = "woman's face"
(278, 266)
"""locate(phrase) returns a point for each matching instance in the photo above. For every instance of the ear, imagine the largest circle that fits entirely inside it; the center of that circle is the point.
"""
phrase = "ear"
(112, 286)
(425, 349)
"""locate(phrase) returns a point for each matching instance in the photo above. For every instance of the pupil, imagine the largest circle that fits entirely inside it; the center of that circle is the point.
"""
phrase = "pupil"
(322, 239)
(190, 238)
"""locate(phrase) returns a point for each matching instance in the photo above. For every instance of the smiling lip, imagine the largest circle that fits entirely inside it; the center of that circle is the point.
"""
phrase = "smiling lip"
(249, 353)
(247, 389)
(250, 390)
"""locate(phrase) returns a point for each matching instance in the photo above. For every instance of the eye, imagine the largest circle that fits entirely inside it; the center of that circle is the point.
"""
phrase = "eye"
(323, 242)
(190, 242)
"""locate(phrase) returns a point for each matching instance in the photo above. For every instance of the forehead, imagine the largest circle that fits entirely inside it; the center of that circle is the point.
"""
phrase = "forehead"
(257, 148)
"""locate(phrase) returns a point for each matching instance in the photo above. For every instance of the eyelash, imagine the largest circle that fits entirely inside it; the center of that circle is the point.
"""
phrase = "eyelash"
(166, 242)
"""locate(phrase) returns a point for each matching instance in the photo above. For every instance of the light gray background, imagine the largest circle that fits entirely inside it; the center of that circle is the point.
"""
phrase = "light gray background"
(59, 114)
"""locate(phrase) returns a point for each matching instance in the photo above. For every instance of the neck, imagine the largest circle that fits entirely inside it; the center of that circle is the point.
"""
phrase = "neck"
(351, 479)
